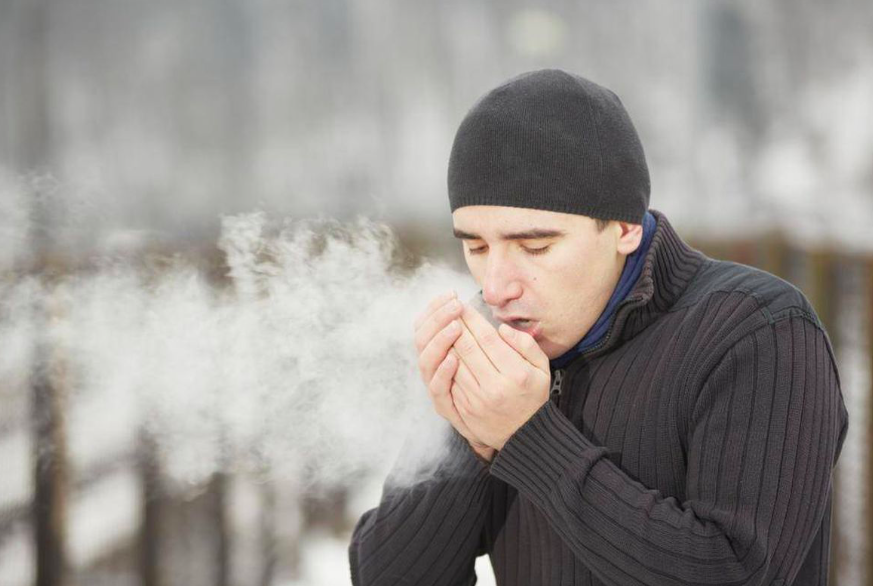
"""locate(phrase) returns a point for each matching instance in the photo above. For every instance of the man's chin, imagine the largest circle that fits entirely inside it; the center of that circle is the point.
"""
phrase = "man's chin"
(549, 348)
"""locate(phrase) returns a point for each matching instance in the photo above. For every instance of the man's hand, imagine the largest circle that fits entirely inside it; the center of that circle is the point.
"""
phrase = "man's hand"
(436, 329)
(503, 378)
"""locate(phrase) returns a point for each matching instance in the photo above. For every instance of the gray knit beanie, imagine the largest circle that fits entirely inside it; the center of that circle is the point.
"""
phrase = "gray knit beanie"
(553, 141)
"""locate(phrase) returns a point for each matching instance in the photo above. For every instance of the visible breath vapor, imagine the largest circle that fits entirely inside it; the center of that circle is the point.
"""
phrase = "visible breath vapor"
(300, 365)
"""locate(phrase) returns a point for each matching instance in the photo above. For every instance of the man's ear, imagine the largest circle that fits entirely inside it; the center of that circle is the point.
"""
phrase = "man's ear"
(630, 237)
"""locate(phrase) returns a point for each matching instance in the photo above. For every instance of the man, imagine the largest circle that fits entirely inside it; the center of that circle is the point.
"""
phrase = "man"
(644, 414)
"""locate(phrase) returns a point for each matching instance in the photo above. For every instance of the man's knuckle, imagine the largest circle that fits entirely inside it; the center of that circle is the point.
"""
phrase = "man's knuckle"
(436, 387)
(520, 378)
(490, 338)
(465, 345)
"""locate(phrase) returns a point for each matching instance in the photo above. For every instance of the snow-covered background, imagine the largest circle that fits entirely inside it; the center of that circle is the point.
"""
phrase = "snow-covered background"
(220, 217)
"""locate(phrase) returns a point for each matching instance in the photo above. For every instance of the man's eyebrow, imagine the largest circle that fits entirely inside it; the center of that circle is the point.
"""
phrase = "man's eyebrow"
(532, 234)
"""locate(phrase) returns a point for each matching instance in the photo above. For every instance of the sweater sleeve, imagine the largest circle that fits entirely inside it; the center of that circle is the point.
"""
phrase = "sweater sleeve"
(764, 433)
(428, 533)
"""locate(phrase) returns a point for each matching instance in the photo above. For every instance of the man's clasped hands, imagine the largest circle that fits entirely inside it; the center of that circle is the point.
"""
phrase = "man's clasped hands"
(486, 382)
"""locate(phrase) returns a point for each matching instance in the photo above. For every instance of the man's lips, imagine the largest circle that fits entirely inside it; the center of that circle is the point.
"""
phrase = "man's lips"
(524, 324)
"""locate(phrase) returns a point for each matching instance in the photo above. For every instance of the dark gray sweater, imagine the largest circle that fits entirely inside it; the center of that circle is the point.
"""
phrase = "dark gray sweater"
(694, 445)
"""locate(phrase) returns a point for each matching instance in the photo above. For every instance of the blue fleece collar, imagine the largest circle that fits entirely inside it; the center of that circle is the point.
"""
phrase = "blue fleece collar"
(633, 267)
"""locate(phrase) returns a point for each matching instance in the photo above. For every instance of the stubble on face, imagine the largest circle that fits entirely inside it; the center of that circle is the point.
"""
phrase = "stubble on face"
(562, 282)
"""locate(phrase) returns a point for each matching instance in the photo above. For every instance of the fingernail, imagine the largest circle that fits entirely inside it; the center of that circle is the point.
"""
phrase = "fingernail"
(454, 326)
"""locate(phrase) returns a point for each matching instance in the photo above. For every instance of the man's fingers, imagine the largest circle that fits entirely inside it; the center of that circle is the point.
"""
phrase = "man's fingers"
(435, 351)
(525, 345)
(434, 304)
(464, 403)
(441, 382)
(436, 321)
(440, 392)
(464, 377)
(473, 356)
(489, 340)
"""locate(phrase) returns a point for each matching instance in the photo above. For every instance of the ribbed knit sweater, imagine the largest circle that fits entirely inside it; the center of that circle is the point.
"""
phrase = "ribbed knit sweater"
(693, 445)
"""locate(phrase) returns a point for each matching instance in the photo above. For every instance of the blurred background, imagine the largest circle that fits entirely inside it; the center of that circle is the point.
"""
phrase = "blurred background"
(164, 163)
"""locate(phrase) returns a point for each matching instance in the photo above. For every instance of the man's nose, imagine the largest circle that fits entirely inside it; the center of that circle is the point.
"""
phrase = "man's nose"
(502, 282)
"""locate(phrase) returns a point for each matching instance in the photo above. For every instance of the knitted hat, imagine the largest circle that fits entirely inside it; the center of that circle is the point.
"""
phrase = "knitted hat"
(553, 141)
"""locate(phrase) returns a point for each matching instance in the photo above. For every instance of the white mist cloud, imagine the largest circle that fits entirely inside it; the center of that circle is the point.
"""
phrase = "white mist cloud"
(300, 366)
(14, 222)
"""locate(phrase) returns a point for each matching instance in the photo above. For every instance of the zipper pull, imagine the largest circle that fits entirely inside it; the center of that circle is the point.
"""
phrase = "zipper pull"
(557, 379)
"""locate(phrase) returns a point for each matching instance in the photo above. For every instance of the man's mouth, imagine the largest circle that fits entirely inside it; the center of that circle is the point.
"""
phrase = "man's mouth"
(529, 326)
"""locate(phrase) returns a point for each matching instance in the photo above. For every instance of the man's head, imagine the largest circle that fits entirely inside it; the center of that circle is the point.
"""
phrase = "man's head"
(556, 270)
(548, 186)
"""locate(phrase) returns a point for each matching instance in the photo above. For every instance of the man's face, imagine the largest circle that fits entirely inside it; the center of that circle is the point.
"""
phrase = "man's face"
(547, 273)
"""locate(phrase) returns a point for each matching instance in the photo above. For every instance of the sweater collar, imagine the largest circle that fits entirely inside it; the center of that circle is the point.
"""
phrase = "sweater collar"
(668, 267)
